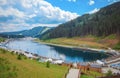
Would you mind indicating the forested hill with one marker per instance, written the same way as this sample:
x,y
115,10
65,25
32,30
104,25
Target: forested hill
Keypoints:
x,y
34,32
103,23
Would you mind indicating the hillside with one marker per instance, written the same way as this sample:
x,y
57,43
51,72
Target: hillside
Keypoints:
x,y
87,41
103,23
26,68
2,39
34,32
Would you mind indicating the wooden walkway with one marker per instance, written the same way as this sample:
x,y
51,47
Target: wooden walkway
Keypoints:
x,y
73,73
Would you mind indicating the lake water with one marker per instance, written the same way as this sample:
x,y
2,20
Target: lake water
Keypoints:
x,y
66,54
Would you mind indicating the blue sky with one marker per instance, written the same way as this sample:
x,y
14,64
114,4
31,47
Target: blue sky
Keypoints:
x,y
16,15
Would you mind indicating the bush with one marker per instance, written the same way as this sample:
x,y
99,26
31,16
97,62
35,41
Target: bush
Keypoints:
x,y
19,57
3,50
12,52
24,57
48,64
38,59
112,36
109,73
117,46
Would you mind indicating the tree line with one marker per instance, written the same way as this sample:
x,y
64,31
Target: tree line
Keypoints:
x,y
103,23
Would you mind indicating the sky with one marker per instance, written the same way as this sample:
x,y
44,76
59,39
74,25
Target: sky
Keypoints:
x,y
17,15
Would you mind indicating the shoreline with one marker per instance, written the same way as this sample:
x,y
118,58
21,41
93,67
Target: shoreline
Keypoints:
x,y
110,53
114,55
61,62
106,62
92,50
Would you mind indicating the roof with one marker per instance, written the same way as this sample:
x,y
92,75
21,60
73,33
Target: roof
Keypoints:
x,y
95,65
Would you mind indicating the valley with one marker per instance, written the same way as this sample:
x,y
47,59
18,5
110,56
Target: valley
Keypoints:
x,y
56,39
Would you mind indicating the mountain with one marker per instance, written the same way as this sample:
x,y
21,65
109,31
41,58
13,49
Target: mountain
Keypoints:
x,y
34,32
102,23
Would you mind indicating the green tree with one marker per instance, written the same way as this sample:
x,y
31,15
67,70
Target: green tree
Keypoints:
x,y
48,64
19,57
109,73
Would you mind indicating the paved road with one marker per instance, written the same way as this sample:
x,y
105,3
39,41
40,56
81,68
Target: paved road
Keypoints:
x,y
73,73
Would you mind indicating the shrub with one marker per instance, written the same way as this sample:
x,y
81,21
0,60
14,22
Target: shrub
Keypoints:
x,y
3,50
25,57
12,52
19,57
112,36
117,46
48,64
109,73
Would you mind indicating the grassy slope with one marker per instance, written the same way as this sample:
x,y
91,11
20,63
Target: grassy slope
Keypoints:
x,y
91,74
33,69
74,42
86,76
2,39
88,41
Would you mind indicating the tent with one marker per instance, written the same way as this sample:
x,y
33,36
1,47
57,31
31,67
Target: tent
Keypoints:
x,y
100,62
58,62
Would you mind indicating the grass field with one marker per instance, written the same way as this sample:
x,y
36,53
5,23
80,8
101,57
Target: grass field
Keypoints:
x,y
27,68
77,42
74,42
88,41
91,74
86,76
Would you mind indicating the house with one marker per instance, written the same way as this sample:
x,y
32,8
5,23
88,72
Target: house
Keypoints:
x,y
89,67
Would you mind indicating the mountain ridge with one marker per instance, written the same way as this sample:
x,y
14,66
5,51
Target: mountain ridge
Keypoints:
x,y
102,23
34,32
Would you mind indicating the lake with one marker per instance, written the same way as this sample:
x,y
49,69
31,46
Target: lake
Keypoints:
x,y
66,54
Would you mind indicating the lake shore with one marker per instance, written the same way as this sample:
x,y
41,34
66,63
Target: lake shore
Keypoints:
x,y
110,52
84,49
76,47
28,54
114,56
88,49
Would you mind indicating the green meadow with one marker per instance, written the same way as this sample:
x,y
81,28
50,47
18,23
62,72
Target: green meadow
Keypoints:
x,y
26,68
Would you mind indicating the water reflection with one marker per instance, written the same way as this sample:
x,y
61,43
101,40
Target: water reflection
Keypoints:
x,y
67,54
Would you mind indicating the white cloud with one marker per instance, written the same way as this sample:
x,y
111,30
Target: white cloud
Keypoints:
x,y
31,16
94,11
11,11
56,13
13,27
46,10
91,2
7,2
3,2
31,13
72,0
21,26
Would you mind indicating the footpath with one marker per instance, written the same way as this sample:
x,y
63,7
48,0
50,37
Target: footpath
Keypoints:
x,y
73,73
